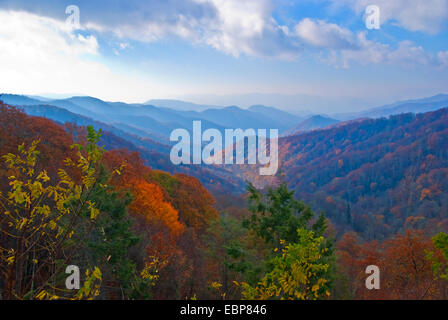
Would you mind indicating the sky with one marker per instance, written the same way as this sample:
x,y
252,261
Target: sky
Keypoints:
x,y
313,55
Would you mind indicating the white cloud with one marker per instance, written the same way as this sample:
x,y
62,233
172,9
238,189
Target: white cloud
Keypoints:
x,y
341,47
321,34
51,55
407,54
442,57
248,27
231,26
39,54
428,16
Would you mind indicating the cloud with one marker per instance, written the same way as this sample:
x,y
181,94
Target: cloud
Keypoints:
x,y
248,27
321,34
442,57
406,54
237,27
231,26
429,16
148,21
341,47
40,54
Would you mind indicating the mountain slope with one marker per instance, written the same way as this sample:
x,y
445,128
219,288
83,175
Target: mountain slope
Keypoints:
x,y
415,106
235,117
159,122
312,123
63,116
18,100
288,119
178,105
374,176
155,154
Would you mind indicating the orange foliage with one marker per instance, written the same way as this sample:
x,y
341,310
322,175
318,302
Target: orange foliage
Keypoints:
x,y
149,202
405,271
194,202
149,199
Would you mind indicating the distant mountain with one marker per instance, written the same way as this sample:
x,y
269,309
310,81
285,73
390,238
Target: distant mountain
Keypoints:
x,y
157,122
235,117
92,104
288,119
40,98
255,117
63,116
312,123
18,100
33,126
74,108
179,105
415,106
135,119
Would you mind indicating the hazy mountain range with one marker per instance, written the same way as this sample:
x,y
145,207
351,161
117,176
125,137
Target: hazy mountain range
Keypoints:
x,y
151,124
415,106
146,128
156,119
145,120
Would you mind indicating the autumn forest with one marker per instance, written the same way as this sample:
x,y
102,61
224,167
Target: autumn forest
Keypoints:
x,y
367,192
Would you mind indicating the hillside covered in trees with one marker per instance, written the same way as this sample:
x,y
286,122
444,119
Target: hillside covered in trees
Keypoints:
x,y
67,201
373,176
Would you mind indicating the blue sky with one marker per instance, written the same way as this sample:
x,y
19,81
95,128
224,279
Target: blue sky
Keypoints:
x,y
314,55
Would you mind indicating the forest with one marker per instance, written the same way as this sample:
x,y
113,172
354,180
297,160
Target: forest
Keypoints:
x,y
376,177
140,233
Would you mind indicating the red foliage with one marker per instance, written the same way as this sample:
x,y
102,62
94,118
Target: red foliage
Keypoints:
x,y
405,271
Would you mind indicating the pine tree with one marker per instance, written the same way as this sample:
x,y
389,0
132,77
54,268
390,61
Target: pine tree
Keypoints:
x,y
279,219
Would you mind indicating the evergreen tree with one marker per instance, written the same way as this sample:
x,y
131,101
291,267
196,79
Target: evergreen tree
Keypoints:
x,y
277,217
